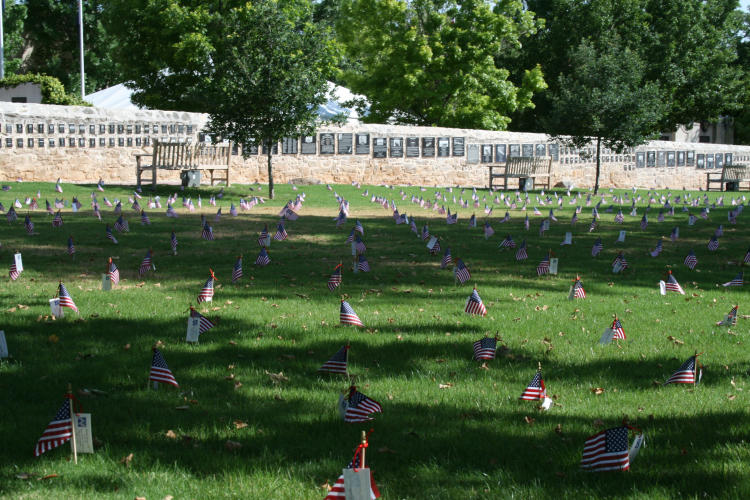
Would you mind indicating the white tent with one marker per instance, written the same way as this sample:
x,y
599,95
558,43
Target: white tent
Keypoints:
x,y
118,97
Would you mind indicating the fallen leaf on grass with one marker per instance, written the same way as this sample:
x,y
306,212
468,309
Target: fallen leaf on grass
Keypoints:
x,y
445,386
232,445
53,338
597,390
24,475
126,347
484,366
237,385
529,420
558,429
731,397
277,377
326,487
675,340
385,449
239,424
168,497
170,434
184,407
126,460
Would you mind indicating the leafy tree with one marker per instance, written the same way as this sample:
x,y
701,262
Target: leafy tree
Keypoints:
x,y
269,76
14,16
687,48
51,28
433,62
607,98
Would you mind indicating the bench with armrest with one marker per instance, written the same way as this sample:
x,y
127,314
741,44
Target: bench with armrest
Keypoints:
x,y
182,156
730,178
522,168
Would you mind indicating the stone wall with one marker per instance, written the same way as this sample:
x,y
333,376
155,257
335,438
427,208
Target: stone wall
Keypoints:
x,y
80,144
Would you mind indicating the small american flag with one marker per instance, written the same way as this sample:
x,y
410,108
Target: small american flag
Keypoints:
x,y
526,223
348,316
65,299
746,259
687,373
146,264
644,222
207,233
620,263
607,450
160,371
281,234
617,328
672,284
337,362
447,259
451,219
335,279
111,236
263,236
691,260
598,246
425,233
488,231
521,253
207,292
619,218
358,227
237,271
485,348
28,225
359,245
657,250
578,291
536,389
713,244
362,264
660,217
121,225
474,304
338,490
350,238
171,211
737,280
543,267
360,407
731,319
71,246
473,221
113,274
508,242
14,273
691,220
56,222
461,272
263,258
144,218
552,215
233,210
204,324
58,431
217,217
173,242
574,219
592,226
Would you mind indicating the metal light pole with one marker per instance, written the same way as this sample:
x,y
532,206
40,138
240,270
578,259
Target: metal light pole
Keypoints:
x,y
80,39
2,42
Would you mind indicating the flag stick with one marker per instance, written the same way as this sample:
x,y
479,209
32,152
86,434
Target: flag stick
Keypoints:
x,y
364,447
72,424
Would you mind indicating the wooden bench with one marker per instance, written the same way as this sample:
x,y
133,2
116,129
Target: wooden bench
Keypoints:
x,y
729,174
182,156
519,168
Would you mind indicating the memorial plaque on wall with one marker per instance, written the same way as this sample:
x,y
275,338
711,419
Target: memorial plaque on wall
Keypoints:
x,y
728,159
412,147
363,144
444,147
719,162
554,152
640,159
661,159
651,159
486,153
472,153
501,152
690,158
428,146
709,161
274,150
514,151
527,150
327,144
379,147
680,158
346,144
541,150
700,161
308,145
671,159
459,144
289,146
397,147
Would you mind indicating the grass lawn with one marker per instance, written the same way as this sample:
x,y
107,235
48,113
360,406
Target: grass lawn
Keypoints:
x,y
451,427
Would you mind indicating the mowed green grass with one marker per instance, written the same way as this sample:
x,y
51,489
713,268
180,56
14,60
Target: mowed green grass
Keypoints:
x,y
473,439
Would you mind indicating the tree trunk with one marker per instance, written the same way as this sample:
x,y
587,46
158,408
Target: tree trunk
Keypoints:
x,y
270,174
598,163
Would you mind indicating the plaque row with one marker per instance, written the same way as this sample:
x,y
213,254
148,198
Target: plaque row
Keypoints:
x,y
100,129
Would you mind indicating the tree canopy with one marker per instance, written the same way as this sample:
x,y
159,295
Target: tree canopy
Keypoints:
x,y
432,62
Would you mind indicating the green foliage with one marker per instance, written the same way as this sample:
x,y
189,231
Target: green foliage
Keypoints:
x,y
53,91
472,440
687,48
51,28
430,62
14,16
270,75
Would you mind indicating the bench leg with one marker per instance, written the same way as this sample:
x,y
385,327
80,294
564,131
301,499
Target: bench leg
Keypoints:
x,y
153,177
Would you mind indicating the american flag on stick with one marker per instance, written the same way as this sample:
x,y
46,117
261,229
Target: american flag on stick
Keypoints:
x,y
207,292
173,242
58,431
731,318
691,260
447,259
337,362
71,246
263,236
204,324
598,246
737,280
14,273
578,291
543,267
461,272
146,263
144,218
335,279
672,285
689,373
111,236
607,450
113,274
281,234
359,407
237,270
521,254
474,304
362,264
65,299
121,225
485,348
263,258
28,225
160,371
536,389
207,233
508,242
338,490
713,244
348,316
56,222
619,332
